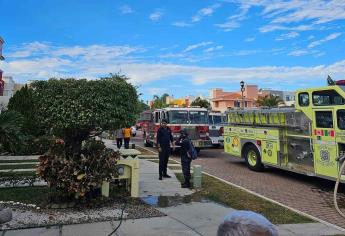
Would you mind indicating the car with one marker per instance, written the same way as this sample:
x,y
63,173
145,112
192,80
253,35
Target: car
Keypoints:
x,y
134,131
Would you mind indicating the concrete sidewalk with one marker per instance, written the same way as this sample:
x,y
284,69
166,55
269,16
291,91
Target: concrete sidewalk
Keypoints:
x,y
182,218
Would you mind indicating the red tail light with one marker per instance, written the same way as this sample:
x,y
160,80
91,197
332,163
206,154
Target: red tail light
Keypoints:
x,y
203,129
258,142
221,130
175,129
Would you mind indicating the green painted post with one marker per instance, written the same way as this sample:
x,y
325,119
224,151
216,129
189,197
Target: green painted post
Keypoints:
x,y
197,176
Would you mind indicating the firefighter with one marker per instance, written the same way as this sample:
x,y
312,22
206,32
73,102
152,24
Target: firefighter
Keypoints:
x,y
184,142
164,142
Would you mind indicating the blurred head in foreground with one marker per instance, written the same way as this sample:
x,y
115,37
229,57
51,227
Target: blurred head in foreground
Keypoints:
x,y
246,223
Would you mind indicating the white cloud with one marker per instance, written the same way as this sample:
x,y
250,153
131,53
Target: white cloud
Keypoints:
x,y
286,36
28,49
297,15
212,49
233,21
76,63
269,28
156,91
156,15
125,9
207,11
321,41
195,46
181,24
298,53
250,39
246,52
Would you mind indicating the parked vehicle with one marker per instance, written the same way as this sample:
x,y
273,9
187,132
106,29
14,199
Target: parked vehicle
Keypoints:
x,y
144,121
216,127
308,139
194,120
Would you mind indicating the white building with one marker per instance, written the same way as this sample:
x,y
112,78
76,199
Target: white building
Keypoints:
x,y
9,86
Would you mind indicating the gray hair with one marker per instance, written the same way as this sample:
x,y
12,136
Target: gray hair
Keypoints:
x,y
244,223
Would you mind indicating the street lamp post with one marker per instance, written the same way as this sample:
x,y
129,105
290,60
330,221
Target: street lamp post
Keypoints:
x,y
242,90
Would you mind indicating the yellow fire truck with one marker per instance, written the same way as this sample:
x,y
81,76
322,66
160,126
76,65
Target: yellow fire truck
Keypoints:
x,y
307,139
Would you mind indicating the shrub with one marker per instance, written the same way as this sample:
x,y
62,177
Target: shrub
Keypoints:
x,y
24,102
72,109
75,176
12,139
38,145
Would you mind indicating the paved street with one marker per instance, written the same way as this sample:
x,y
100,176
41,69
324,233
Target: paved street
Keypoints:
x,y
308,194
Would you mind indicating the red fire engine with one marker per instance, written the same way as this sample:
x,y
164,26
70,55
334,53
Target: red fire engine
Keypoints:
x,y
144,121
194,120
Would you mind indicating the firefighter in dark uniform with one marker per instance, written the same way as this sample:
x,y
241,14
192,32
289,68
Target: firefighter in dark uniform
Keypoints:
x,y
164,142
186,160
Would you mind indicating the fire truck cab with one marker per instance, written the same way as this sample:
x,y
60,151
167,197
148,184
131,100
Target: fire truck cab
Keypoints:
x,y
307,139
216,127
194,120
144,121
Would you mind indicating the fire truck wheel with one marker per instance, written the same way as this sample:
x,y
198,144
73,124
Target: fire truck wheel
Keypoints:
x,y
253,158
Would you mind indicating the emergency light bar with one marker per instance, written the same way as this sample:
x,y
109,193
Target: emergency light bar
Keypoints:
x,y
340,82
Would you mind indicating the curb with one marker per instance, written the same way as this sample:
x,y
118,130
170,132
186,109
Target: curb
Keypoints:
x,y
268,199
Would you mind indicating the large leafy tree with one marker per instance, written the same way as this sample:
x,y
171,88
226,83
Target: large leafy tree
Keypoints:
x,y
268,101
142,106
72,109
201,103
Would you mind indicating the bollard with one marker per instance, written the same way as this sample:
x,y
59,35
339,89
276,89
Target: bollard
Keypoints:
x,y
105,188
133,145
197,175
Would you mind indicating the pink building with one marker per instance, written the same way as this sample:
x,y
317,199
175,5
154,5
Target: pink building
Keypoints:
x,y
221,100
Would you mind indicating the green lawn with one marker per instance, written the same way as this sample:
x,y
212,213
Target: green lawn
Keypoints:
x,y
16,161
18,174
32,195
28,166
230,196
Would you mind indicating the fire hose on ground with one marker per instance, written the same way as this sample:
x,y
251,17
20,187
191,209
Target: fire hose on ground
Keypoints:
x,y
340,160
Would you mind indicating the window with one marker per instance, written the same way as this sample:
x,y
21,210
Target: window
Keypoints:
x,y
341,119
198,117
216,104
303,99
156,117
327,97
246,104
237,104
324,119
178,117
287,98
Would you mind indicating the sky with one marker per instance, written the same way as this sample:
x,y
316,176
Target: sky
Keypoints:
x,y
176,47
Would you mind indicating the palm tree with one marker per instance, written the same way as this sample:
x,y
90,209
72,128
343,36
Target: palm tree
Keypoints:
x,y
268,101
11,136
160,102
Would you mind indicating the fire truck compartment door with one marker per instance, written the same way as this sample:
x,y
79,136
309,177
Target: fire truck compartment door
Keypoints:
x,y
325,146
232,142
269,152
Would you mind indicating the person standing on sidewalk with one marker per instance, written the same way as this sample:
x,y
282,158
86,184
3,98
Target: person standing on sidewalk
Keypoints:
x,y
127,136
186,160
164,142
119,138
